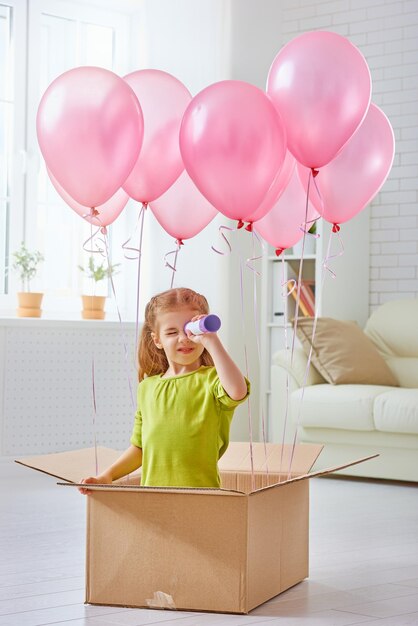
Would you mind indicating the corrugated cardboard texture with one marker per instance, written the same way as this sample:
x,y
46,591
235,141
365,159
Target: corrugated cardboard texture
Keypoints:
x,y
294,557
191,548
278,523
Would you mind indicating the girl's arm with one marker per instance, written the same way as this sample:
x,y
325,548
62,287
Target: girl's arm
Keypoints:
x,y
229,373
127,463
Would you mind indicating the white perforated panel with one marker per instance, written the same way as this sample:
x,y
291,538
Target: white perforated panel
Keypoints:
x,y
48,388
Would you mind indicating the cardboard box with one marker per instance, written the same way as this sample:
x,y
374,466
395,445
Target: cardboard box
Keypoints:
x,y
225,550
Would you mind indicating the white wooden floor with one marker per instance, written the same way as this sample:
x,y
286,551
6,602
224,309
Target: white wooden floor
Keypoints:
x,y
364,560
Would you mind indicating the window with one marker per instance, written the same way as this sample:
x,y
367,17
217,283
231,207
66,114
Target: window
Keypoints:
x,y
60,35
12,109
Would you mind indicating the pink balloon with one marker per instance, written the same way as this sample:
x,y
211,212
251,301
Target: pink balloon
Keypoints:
x,y
182,210
233,144
106,213
277,187
90,130
282,226
357,173
321,85
164,100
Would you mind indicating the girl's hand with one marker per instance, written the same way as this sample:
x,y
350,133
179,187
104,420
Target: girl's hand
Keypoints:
x,y
103,479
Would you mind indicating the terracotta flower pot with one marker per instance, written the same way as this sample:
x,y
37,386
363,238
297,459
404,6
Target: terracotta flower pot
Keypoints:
x,y
93,307
29,304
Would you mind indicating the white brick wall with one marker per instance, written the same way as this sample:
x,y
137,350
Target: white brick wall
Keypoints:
x,y
387,35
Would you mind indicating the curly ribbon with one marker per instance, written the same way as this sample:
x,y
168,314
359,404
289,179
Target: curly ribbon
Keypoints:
x,y
250,420
125,245
330,256
94,214
173,267
222,234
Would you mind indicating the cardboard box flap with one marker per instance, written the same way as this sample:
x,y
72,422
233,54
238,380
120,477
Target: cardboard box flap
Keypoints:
x,y
74,465
322,472
195,490
270,457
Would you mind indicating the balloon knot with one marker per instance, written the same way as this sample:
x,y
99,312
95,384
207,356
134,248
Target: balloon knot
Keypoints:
x,y
179,242
335,228
279,251
240,224
314,172
103,230
249,227
145,205
93,212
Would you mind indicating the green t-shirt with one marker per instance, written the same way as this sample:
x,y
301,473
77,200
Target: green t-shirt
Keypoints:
x,y
182,425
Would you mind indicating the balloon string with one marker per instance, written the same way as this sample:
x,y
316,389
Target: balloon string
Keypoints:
x,y
295,324
138,278
257,336
249,262
125,345
324,271
308,364
319,194
96,461
173,267
93,384
250,421
287,287
312,174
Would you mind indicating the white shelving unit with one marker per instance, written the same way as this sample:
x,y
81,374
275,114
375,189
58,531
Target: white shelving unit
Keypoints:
x,y
345,296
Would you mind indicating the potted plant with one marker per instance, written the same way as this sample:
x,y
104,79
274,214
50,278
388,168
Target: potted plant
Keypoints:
x,y
93,306
25,263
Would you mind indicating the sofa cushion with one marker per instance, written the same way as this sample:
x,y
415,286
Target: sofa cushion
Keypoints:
x,y
348,407
396,411
343,354
393,330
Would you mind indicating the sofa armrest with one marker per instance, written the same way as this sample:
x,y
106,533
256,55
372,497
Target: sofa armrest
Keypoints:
x,y
298,368
282,374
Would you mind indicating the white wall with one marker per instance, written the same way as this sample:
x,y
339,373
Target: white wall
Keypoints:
x,y
387,35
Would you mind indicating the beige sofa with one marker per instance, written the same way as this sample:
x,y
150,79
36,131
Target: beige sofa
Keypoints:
x,y
355,420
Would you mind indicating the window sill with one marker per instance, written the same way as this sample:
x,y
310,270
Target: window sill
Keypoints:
x,y
65,320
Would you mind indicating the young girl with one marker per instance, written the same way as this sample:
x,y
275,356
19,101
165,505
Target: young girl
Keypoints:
x,y
188,390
